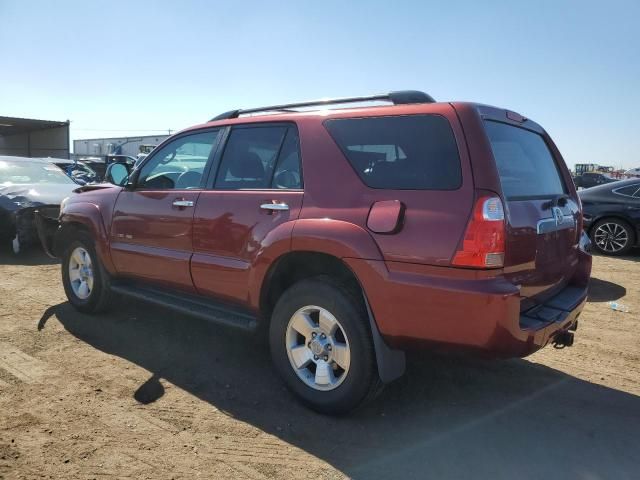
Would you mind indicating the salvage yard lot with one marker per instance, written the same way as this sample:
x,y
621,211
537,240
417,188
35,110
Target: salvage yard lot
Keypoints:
x,y
142,393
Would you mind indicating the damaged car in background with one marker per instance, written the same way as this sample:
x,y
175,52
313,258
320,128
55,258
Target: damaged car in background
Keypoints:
x,y
27,185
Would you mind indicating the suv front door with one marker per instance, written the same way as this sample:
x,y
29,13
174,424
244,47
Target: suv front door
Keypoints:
x,y
257,189
151,232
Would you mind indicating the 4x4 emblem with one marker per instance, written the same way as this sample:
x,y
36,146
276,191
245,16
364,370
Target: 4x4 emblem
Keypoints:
x,y
558,216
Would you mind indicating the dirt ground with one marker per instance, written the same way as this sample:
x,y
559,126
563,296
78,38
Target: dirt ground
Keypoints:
x,y
141,393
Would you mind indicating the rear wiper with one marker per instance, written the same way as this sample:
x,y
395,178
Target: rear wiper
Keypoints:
x,y
557,201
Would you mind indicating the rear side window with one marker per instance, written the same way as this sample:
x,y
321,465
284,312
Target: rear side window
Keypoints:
x,y
630,191
525,164
413,152
250,157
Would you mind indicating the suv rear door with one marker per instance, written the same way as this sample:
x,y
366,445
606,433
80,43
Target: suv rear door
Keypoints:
x,y
257,188
541,209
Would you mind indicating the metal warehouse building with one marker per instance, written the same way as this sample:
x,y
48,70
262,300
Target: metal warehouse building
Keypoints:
x,y
116,146
24,137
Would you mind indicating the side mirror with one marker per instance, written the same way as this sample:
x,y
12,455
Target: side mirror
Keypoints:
x,y
117,173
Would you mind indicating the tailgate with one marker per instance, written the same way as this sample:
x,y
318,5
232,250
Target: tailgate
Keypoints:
x,y
541,251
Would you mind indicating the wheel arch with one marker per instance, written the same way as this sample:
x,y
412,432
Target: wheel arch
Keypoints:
x,y
616,216
298,265
84,217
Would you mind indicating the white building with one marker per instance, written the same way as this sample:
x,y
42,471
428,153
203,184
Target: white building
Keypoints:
x,y
116,146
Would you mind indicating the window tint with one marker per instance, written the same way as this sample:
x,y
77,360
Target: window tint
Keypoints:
x,y
179,164
629,191
416,152
525,164
249,157
288,174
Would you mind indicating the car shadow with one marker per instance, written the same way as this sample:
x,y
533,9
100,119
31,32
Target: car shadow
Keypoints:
x,y
33,256
605,291
446,418
632,256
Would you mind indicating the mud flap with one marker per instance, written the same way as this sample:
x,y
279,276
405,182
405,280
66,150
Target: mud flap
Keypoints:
x,y
391,363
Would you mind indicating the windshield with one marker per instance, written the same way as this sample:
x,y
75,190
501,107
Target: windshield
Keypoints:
x,y
15,173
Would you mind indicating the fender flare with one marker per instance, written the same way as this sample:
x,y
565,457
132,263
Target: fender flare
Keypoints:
x,y
89,216
341,240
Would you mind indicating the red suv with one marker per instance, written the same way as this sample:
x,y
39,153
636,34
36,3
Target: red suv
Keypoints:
x,y
350,234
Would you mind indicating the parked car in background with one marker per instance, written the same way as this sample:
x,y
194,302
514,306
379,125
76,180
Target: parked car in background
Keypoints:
x,y
350,235
78,171
612,216
96,164
591,179
633,172
126,159
27,184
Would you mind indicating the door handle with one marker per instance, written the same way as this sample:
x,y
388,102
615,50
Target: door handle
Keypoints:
x,y
182,203
274,207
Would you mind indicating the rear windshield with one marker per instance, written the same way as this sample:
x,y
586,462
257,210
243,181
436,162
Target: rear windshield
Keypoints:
x,y
414,152
525,164
25,172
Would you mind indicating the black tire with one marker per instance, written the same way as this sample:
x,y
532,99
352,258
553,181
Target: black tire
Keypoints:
x,y
631,237
362,381
98,299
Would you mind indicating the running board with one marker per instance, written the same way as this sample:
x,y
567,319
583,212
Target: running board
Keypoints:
x,y
191,305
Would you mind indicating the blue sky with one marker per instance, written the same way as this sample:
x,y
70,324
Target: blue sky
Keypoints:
x,y
126,68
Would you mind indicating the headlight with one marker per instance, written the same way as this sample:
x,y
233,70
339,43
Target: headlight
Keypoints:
x,y
63,203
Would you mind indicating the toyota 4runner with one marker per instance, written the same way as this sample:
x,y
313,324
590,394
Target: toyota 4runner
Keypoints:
x,y
350,235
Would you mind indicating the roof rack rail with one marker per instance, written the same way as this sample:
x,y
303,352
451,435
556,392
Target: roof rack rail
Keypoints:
x,y
397,98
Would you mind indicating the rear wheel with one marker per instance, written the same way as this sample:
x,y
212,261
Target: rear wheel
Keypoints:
x,y
84,279
321,346
612,236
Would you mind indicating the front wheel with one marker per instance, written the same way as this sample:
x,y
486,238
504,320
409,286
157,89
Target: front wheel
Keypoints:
x,y
83,277
322,347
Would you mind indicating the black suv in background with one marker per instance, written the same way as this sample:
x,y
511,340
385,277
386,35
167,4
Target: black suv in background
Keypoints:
x,y
591,179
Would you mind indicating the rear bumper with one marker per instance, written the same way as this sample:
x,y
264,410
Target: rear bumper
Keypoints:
x,y
417,306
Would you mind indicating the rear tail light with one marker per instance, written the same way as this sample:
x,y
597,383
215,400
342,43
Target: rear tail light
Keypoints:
x,y
483,243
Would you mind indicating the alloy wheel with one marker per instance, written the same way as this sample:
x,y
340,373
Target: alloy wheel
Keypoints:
x,y
318,348
611,237
81,273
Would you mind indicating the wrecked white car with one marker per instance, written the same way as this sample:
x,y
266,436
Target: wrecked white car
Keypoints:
x,y
27,185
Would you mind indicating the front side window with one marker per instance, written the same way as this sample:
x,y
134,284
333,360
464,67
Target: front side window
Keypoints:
x,y
179,164
412,152
259,158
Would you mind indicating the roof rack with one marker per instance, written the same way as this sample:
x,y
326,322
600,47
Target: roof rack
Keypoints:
x,y
397,98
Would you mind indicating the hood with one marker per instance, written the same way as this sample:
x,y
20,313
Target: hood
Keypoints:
x,y
16,197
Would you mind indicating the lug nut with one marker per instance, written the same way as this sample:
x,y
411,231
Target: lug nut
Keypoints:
x,y
313,334
329,347
326,357
315,357
323,336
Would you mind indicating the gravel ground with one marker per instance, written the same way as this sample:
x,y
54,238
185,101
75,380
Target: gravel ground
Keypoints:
x,y
142,393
